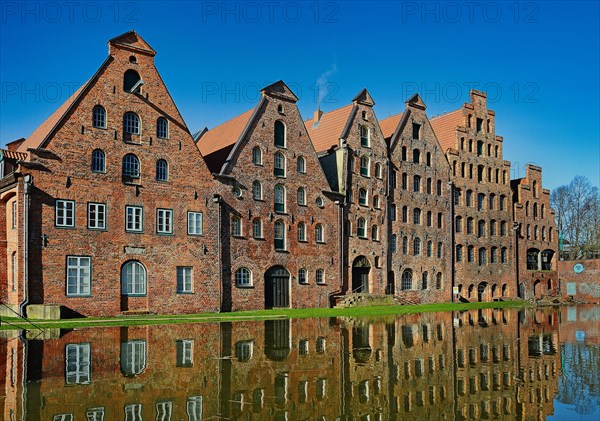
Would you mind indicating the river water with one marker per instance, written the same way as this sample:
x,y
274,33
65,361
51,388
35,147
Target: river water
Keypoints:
x,y
529,364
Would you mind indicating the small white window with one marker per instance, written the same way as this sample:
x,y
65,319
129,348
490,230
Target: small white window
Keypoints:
x,y
301,232
184,280
185,353
164,411
78,363
302,196
195,223
164,221
279,165
320,276
134,218
257,231
133,358
65,213
243,277
321,344
237,192
236,226
194,408
95,414
257,190
319,233
63,417
301,165
79,276
257,156
96,215
133,412
320,202
14,215
302,276
244,350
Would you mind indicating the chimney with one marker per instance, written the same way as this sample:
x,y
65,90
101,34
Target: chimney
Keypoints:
x,y
318,115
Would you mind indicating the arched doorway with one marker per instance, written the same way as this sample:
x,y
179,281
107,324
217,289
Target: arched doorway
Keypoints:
x,y
537,289
482,292
360,274
277,287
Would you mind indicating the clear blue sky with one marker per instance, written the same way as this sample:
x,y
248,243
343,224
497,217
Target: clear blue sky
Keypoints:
x,y
539,62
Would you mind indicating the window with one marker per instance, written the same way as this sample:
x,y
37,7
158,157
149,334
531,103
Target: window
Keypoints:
x,y
392,209
415,130
481,228
482,254
469,198
301,165
440,220
99,117
279,235
130,78
502,202
133,412
417,183
377,205
257,190
302,276
243,277
458,224
78,368
429,249
405,214
459,251
131,166
319,202
236,226
194,408
429,186
429,223
480,201
503,228
301,231
491,201
480,169
280,134
237,191
184,279
417,247
362,197
321,388
492,227
470,256
416,156
279,199
184,354
503,256
479,147
428,159
257,228
162,171
404,158
439,187
375,233
133,278
494,255
393,242
404,181
244,350
320,276
319,233
417,216
95,414
96,216
134,218
407,281
361,229
79,275
365,137
469,225
14,214
133,357
457,197
256,156
405,245
162,128
438,285
365,164
279,166
195,224
425,280
131,123
98,161
378,170
64,213
164,221
302,196
15,270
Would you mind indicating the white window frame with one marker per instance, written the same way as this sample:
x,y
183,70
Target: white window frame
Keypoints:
x,y
241,280
236,226
96,216
64,213
195,223
194,408
301,165
320,276
164,221
95,414
79,276
187,352
133,412
257,228
14,214
164,411
185,280
257,156
139,279
301,232
134,218
136,356
302,276
78,363
319,233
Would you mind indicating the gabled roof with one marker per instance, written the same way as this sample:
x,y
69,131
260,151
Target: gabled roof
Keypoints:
x,y
364,97
131,40
216,143
445,126
281,90
389,125
327,132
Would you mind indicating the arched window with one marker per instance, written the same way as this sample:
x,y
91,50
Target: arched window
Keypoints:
x,y
257,190
404,181
503,228
374,233
543,210
550,234
405,214
319,233
130,79
502,202
131,166
98,161
279,235
429,222
417,247
458,224
407,280
492,201
362,197
301,231
236,226
320,276
492,227
481,256
459,251
243,277
494,255
376,203
481,228
417,216
131,123
470,252
428,159
361,229
479,148
301,165
417,183
256,156
99,117
416,156
302,276
425,279
429,186
439,187
162,170
480,201
133,357
405,245
378,170
503,255
365,166
257,231
393,241
133,278
279,199
280,140
429,248
440,220
438,280
404,153
162,128
535,195
535,211
279,165
365,137
302,196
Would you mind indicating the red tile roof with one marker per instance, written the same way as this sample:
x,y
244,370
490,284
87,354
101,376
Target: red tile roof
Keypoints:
x,y
330,127
389,125
445,126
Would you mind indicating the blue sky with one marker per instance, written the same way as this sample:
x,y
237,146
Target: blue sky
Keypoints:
x,y
538,61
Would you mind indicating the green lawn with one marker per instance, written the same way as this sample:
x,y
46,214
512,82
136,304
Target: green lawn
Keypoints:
x,y
295,313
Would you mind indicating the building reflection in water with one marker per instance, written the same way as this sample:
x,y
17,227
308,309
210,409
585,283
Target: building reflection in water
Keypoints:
x,y
496,364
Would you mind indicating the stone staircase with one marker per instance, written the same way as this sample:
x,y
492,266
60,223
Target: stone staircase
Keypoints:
x,y
363,300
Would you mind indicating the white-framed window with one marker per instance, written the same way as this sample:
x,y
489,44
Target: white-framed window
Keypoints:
x,y
98,161
62,417
162,128
133,278
164,221
185,353
195,223
99,117
131,123
244,350
303,346
236,226
321,388
301,165
257,156
164,411
133,412
257,190
302,276
131,166
319,233
321,345
279,165
363,198
95,414
79,276
378,170
320,276
302,196
133,357
243,277
301,231
194,408
365,166
78,363
96,215
184,279
14,214
279,199
279,235
134,218
65,213
365,137
361,228
257,231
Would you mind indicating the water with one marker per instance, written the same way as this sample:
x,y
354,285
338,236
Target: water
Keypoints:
x,y
482,364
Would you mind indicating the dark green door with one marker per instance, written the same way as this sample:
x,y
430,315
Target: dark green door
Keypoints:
x,y
277,287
